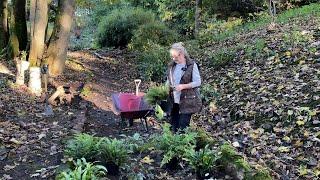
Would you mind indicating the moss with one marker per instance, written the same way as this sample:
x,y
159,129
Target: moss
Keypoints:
x,y
13,48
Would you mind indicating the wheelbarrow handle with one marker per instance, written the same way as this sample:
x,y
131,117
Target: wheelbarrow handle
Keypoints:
x,y
137,82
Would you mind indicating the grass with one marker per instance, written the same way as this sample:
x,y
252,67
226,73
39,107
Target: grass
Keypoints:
x,y
303,13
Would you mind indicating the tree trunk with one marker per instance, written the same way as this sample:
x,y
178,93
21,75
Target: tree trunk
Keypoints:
x,y
57,51
13,46
32,15
4,35
37,43
197,17
19,12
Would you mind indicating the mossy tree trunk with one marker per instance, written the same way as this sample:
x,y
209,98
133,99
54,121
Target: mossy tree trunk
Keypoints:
x,y
4,34
13,46
58,45
19,12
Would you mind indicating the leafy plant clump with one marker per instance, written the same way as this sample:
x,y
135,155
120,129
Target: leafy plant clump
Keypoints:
x,y
203,139
230,155
82,146
174,146
112,153
202,161
222,57
157,94
208,93
83,171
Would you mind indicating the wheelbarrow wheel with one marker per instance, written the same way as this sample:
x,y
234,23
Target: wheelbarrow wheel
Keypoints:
x,y
130,122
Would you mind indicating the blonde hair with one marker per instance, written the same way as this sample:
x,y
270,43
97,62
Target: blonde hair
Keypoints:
x,y
180,47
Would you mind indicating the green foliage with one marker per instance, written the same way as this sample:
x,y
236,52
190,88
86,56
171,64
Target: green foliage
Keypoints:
x,y
179,14
208,93
152,63
260,174
117,28
155,32
296,38
262,20
112,150
157,94
232,7
136,144
202,161
82,146
83,171
105,7
222,57
260,44
174,145
203,139
86,91
194,48
230,155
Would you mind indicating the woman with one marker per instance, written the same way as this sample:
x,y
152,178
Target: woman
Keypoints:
x,y
184,80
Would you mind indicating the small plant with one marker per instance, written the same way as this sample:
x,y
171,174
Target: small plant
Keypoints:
x,y
230,156
174,146
296,38
203,161
260,44
208,93
86,91
222,57
83,171
157,94
82,146
203,139
112,153
136,143
260,174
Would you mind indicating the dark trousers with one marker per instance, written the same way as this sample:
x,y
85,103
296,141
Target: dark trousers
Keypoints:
x,y
179,121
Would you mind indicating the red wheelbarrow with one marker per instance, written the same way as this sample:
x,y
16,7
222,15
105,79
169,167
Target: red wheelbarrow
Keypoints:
x,y
130,106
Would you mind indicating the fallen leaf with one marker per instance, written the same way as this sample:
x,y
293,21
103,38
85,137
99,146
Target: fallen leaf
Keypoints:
x,y
147,160
283,149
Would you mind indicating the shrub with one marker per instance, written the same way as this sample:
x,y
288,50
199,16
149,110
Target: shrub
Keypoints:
x,y
113,153
174,146
155,32
157,94
203,161
153,63
81,146
116,29
83,171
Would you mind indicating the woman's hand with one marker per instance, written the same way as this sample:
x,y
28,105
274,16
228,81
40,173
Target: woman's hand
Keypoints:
x,y
181,87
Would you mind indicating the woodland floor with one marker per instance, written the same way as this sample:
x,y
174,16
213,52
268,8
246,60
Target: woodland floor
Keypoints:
x,y
255,97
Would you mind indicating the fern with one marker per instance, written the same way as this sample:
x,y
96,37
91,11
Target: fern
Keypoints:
x,y
112,150
157,94
81,146
175,145
83,171
202,161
